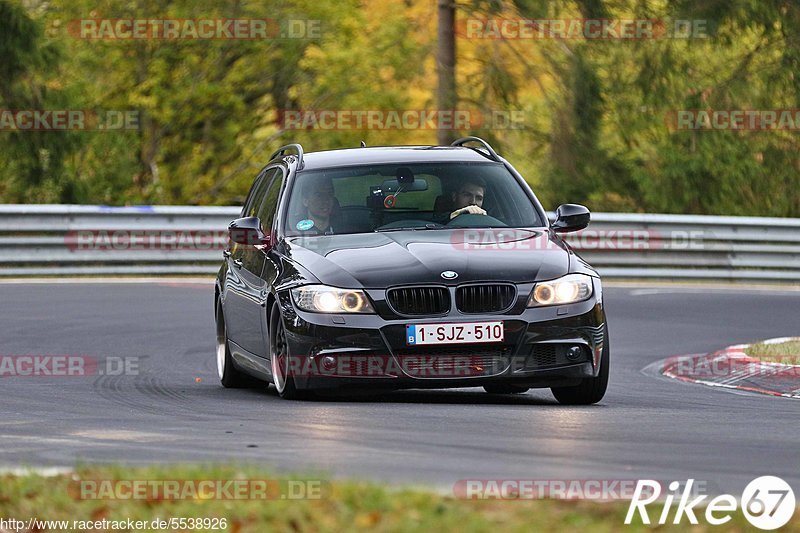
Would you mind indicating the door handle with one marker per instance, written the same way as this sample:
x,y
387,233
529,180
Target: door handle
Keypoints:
x,y
238,263
226,253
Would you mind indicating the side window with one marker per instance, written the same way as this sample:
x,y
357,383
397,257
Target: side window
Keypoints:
x,y
269,202
255,195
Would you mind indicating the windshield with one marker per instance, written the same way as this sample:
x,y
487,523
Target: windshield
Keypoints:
x,y
393,197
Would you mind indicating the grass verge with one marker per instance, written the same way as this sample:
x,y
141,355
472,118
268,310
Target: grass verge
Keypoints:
x,y
343,506
783,352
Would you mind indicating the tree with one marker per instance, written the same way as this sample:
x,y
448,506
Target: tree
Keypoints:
x,y
446,63
33,161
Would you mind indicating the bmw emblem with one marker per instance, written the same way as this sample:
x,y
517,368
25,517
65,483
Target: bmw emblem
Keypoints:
x,y
449,274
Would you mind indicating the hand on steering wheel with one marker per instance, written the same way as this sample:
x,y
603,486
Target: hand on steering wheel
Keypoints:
x,y
469,210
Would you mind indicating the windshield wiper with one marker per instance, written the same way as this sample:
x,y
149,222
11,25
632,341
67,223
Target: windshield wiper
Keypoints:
x,y
432,225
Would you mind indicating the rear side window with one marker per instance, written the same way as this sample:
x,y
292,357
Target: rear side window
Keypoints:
x,y
256,193
269,198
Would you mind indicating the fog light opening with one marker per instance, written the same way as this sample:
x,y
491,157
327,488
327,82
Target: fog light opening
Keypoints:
x,y
574,353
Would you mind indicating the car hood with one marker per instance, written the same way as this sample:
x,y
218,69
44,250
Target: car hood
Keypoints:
x,y
376,260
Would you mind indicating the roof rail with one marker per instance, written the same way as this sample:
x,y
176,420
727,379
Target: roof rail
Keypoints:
x,y
491,153
282,151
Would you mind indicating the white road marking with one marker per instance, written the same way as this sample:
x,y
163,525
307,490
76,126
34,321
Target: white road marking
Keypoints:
x,y
45,471
681,289
126,280
132,436
780,340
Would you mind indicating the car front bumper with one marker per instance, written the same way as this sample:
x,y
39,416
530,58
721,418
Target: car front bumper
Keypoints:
x,y
542,347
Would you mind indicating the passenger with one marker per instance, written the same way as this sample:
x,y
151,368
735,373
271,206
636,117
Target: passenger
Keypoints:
x,y
319,202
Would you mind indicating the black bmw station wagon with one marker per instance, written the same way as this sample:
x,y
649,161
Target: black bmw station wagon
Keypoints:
x,y
407,267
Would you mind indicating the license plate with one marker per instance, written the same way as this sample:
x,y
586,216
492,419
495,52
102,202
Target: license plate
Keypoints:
x,y
460,333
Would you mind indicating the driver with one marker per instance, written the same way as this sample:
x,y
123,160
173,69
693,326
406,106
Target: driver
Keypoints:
x,y
468,198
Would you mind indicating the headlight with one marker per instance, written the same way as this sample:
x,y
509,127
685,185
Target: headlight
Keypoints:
x,y
566,290
323,299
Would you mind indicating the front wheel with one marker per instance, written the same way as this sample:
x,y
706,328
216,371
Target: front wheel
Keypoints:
x,y
590,390
280,359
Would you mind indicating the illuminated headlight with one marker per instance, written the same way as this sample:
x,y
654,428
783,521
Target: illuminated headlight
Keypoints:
x,y
569,289
323,299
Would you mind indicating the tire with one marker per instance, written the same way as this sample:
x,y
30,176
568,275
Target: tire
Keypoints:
x,y
505,389
279,359
590,390
229,376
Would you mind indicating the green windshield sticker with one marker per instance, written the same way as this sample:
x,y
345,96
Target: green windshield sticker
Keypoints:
x,y
305,225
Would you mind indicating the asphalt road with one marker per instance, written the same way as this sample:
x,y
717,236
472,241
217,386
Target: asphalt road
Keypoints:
x,y
646,427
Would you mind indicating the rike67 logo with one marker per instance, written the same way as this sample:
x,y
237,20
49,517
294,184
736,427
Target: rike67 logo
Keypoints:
x,y
767,502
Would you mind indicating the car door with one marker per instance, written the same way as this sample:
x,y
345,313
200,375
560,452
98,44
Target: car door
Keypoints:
x,y
245,296
269,261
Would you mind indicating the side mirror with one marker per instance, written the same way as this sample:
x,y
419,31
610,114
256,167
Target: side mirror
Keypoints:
x,y
571,217
248,231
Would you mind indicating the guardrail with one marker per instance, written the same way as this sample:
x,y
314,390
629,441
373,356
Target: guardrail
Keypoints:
x,y
66,240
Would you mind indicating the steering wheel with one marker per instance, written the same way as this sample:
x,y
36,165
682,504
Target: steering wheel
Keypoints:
x,y
468,220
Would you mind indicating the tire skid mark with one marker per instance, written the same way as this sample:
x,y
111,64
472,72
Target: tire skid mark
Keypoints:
x,y
152,394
